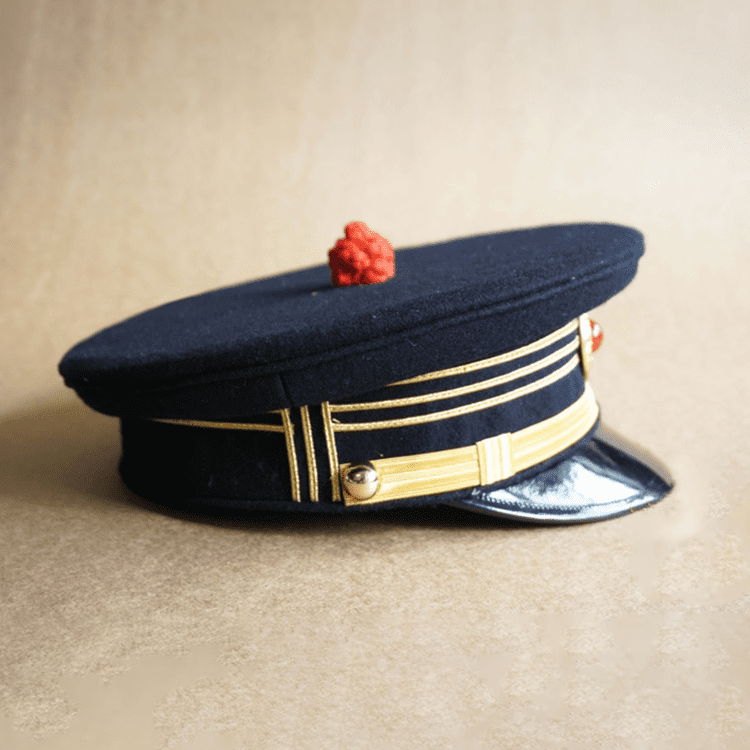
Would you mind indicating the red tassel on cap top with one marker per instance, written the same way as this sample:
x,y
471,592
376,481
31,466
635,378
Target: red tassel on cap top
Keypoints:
x,y
364,257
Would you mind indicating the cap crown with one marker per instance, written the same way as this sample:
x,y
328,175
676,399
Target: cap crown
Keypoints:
x,y
294,339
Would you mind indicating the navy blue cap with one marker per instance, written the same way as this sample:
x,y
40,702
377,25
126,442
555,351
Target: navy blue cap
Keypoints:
x,y
461,376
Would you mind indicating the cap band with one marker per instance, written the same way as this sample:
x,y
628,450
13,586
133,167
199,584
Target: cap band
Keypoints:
x,y
542,364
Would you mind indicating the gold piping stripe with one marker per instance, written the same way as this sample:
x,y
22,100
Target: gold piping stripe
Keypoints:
x,y
333,459
291,453
484,463
223,425
535,346
463,390
585,337
312,469
459,411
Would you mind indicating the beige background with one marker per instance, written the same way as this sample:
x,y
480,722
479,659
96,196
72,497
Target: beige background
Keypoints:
x,y
150,150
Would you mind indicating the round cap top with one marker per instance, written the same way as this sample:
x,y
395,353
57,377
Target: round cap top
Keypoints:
x,y
294,339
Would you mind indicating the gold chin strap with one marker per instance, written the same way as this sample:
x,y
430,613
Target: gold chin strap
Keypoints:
x,y
486,462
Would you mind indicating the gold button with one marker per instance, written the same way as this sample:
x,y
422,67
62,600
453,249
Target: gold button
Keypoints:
x,y
361,481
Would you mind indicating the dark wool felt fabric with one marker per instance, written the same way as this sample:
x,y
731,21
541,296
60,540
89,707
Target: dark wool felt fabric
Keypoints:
x,y
209,469
293,340
149,481
237,466
158,475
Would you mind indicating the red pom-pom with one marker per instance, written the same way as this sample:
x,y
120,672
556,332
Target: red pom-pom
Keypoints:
x,y
364,257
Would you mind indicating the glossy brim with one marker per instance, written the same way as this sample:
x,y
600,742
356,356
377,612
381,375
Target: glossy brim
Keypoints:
x,y
607,477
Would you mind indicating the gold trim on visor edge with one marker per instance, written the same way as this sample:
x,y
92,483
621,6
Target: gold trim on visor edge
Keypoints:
x,y
486,462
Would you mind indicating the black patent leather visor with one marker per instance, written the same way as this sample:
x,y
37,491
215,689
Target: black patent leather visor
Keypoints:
x,y
606,478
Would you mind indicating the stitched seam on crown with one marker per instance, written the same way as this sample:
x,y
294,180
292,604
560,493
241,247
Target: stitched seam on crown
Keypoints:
x,y
282,383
